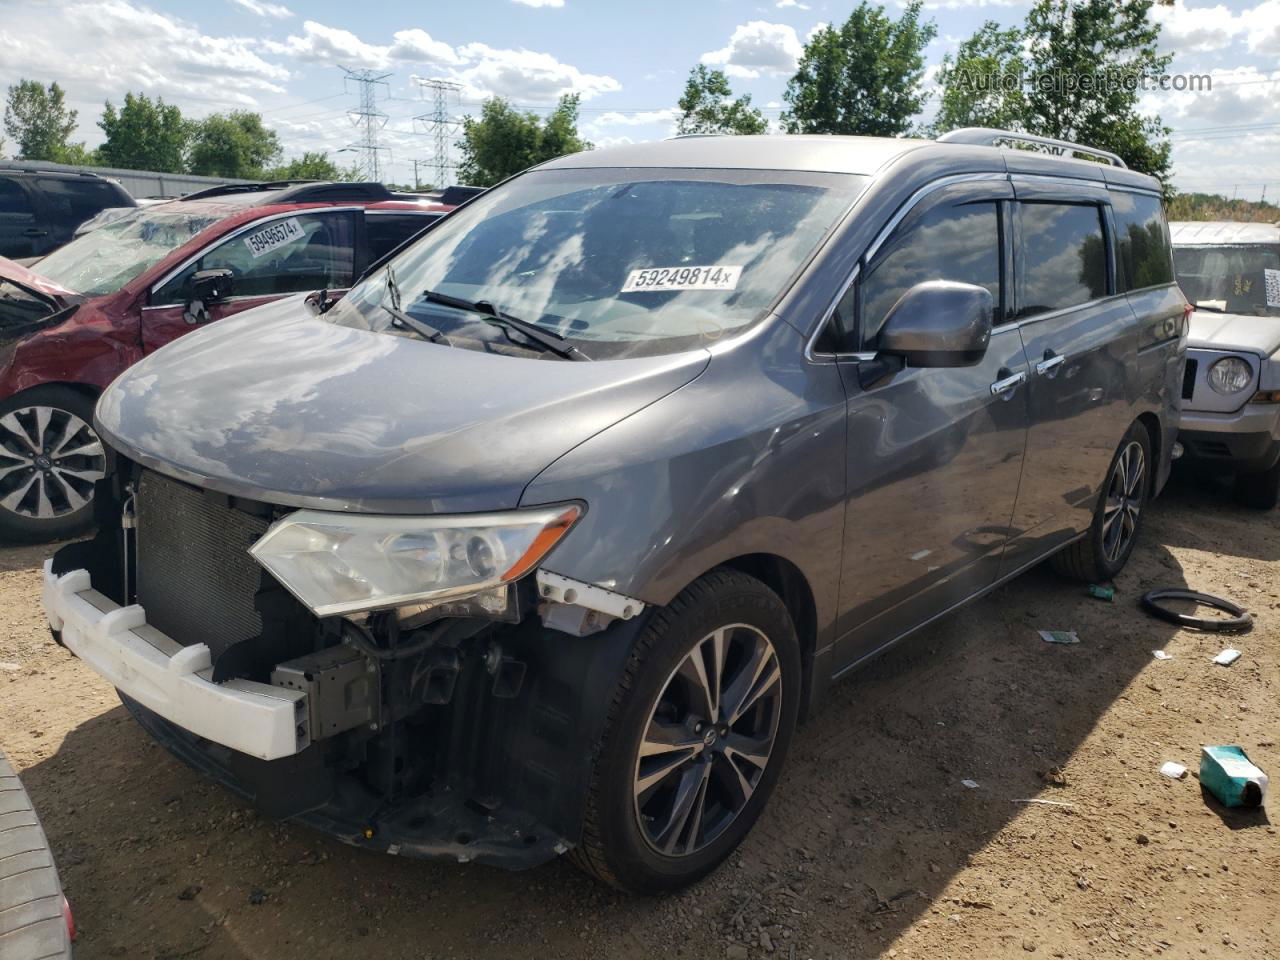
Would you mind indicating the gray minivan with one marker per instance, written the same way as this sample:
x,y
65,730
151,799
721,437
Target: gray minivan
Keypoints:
x,y
544,537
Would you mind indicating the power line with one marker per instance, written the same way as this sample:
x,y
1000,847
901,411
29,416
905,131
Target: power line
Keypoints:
x,y
368,119
439,124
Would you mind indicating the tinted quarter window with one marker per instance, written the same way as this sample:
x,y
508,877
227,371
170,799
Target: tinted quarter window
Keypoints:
x,y
960,243
72,202
13,200
387,231
1143,251
1063,257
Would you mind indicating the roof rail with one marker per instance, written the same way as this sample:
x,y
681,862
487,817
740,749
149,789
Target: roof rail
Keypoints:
x,y
14,168
301,191
990,137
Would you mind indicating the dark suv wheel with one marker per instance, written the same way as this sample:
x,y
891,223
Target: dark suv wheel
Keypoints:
x,y
50,458
1104,551
697,733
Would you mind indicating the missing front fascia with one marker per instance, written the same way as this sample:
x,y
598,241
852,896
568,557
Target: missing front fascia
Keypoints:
x,y
580,608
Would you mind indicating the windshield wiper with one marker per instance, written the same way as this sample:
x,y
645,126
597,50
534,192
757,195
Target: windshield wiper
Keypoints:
x,y
401,319
548,339
1205,306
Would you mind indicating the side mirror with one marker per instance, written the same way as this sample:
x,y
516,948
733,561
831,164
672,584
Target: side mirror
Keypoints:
x,y
939,323
212,286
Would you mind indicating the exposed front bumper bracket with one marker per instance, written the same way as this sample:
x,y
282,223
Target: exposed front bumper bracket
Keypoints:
x,y
170,679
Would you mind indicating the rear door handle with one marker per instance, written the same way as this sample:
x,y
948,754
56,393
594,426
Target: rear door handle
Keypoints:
x,y
1048,367
35,232
1005,386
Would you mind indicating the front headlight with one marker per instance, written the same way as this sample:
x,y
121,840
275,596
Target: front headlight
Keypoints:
x,y
1230,375
339,563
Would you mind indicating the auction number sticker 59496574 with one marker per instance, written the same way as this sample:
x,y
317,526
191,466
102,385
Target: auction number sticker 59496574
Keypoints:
x,y
274,235
682,278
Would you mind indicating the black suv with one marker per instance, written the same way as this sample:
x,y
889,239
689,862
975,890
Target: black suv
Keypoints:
x,y
40,209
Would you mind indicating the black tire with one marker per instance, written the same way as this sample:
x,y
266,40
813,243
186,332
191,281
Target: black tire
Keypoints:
x,y
61,488
1092,558
1259,490
617,844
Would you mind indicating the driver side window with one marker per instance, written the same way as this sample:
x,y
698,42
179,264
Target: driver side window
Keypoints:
x,y
309,251
959,243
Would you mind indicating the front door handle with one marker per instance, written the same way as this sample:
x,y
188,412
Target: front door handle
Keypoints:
x,y
1048,367
1005,386
35,232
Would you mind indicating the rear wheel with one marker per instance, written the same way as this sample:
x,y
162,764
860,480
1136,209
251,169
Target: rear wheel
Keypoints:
x,y
1259,490
50,459
697,733
1105,549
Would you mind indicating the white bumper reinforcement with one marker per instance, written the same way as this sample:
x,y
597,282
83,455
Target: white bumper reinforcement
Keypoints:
x,y
174,681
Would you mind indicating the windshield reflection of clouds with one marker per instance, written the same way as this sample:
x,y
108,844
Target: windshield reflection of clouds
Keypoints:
x,y
1232,279
556,248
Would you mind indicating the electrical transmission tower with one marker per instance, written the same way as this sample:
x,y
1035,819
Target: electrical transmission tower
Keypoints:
x,y
440,125
368,119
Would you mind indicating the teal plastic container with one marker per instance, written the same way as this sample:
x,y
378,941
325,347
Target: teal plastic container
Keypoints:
x,y
1229,774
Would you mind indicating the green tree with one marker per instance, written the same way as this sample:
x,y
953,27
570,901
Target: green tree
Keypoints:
x,y
234,144
982,84
503,141
38,120
144,134
706,106
863,77
1087,60
312,165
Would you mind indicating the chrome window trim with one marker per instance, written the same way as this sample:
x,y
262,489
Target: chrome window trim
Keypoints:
x,y
231,235
403,213
907,206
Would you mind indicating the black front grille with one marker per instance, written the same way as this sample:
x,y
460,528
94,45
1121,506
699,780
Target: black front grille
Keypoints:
x,y
1189,379
195,577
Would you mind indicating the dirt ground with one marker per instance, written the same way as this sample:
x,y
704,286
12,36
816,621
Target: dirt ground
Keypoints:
x,y
870,847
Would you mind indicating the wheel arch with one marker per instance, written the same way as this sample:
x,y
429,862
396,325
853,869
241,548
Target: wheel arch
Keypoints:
x,y
1151,423
86,390
787,580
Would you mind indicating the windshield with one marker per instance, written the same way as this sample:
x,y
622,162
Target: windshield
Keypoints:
x,y
1231,279
105,259
616,261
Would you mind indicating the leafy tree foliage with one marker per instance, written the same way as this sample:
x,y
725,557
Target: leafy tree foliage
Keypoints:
x,y
707,106
982,83
234,144
503,141
38,120
863,77
312,165
145,134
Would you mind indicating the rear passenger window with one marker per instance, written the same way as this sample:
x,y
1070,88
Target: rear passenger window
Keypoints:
x,y
960,243
1064,256
13,199
75,201
386,231
1143,254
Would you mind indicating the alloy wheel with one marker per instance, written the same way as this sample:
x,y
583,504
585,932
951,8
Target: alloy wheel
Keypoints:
x,y
1125,493
49,461
708,740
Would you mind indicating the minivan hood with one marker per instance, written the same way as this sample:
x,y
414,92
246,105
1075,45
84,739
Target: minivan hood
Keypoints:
x,y
279,405
1231,331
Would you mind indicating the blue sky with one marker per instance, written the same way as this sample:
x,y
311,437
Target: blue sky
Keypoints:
x,y
627,60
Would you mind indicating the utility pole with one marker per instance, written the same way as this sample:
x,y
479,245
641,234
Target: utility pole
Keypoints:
x,y
368,119
439,124
417,181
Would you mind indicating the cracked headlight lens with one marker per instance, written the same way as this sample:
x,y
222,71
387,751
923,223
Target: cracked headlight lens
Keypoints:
x,y
1230,375
346,563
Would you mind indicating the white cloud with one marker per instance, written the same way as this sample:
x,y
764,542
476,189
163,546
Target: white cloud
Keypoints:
x,y
816,29
963,4
541,3
1196,29
784,4
323,44
615,119
417,46
274,11
525,75
758,48
1262,27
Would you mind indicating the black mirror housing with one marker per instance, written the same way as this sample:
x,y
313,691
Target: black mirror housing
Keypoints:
x,y
939,323
212,286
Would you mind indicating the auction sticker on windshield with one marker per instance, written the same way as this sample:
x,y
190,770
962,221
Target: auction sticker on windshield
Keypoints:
x,y
682,278
274,235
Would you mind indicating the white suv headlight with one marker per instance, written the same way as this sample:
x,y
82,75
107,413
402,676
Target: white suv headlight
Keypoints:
x,y
1230,375
346,563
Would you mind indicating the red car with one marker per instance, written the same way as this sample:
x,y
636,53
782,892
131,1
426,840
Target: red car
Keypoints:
x,y
77,318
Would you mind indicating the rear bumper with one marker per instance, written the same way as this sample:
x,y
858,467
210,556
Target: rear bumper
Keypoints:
x,y
169,679
1247,441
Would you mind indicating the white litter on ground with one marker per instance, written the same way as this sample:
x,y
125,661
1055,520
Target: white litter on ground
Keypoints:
x,y
971,784
1227,657
1174,771
1161,655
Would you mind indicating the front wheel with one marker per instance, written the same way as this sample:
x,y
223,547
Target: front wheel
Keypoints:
x,y
696,736
50,459
1104,550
